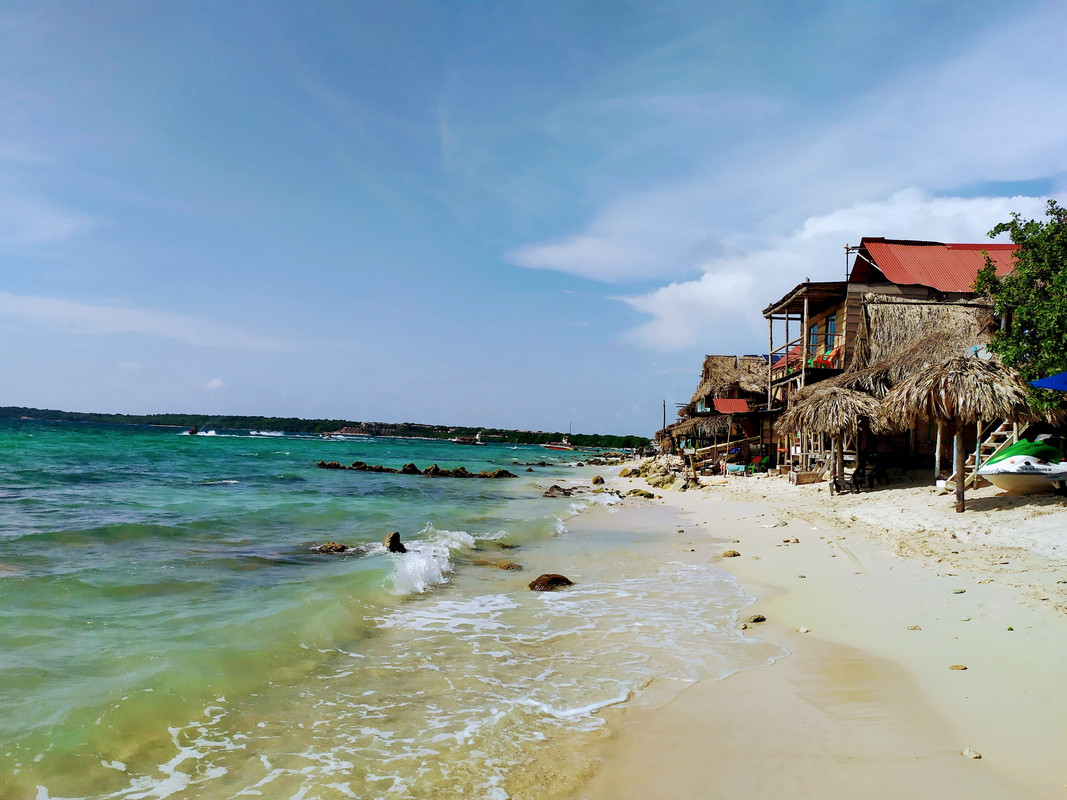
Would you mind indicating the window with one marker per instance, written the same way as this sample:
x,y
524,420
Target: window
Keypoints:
x,y
831,332
813,337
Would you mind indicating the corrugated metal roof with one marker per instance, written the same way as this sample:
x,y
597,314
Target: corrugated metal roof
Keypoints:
x,y
945,267
730,405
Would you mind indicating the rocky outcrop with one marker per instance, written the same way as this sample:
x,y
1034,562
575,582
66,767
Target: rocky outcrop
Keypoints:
x,y
410,469
549,582
558,491
640,493
393,544
331,547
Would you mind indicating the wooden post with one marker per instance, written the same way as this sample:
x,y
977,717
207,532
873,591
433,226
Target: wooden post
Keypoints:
x,y
804,343
770,357
839,458
937,454
961,456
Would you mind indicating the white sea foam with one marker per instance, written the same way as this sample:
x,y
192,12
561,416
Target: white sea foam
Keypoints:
x,y
428,560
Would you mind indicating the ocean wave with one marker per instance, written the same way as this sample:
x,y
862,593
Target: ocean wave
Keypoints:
x,y
428,560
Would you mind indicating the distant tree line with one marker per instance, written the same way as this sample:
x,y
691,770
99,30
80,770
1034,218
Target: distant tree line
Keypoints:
x,y
412,430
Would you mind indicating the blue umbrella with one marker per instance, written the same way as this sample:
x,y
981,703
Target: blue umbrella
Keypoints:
x,y
1056,382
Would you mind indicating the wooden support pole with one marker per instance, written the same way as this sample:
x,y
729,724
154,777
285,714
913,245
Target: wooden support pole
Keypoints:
x,y
804,343
937,454
960,458
770,357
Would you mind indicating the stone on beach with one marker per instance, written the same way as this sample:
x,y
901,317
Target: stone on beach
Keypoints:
x,y
757,618
558,491
393,544
598,481
970,752
731,554
549,582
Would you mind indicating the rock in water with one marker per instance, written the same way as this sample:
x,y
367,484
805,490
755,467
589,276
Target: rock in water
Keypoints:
x,y
393,544
598,481
331,547
558,491
410,469
549,581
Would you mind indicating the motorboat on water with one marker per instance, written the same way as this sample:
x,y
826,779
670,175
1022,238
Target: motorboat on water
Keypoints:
x,y
1027,467
564,445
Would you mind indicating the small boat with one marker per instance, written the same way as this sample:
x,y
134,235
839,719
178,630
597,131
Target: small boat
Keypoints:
x,y
564,445
193,431
467,440
1027,467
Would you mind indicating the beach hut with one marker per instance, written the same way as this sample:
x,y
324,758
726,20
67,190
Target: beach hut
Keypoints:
x,y
831,410
955,393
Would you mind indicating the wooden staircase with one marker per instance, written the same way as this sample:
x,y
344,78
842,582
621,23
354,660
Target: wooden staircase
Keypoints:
x,y
1002,435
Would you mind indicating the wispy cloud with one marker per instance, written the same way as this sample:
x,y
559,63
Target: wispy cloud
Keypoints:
x,y
941,126
112,319
722,306
26,221
213,384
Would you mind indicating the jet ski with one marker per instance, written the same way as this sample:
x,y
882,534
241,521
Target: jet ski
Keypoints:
x,y
1027,467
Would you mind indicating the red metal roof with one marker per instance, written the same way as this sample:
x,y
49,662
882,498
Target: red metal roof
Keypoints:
x,y
730,405
945,267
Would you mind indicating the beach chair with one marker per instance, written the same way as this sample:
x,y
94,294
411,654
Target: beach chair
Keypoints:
x,y
828,360
759,464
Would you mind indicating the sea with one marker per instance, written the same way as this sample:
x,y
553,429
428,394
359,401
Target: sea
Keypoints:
x,y
168,629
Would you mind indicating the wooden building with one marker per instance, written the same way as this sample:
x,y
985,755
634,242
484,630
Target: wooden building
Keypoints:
x,y
905,303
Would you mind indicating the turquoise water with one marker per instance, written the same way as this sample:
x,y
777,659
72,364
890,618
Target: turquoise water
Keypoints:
x,y
167,630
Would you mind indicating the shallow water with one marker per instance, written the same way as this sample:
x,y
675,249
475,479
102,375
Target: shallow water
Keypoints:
x,y
167,631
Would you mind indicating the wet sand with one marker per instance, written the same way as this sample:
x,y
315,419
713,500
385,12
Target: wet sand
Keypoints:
x,y
867,704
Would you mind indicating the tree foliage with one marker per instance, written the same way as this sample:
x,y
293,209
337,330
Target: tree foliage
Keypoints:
x,y
1032,299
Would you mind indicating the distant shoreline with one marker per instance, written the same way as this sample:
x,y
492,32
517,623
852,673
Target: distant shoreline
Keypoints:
x,y
394,430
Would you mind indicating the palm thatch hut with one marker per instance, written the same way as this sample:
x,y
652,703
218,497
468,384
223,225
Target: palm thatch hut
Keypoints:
x,y
958,392
831,410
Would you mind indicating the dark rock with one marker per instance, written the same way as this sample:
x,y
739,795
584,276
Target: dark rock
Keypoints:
x,y
757,618
433,471
558,491
331,547
731,554
549,582
460,472
393,544
640,493
529,469
598,481
410,469
359,465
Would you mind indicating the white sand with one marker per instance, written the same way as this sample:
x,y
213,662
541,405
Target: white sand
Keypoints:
x,y
865,706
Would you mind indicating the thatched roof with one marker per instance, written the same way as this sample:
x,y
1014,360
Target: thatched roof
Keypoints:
x,y
893,326
962,390
701,426
722,372
828,409
900,337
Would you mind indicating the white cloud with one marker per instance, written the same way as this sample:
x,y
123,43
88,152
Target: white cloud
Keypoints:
x,y
107,319
214,383
941,126
722,307
24,221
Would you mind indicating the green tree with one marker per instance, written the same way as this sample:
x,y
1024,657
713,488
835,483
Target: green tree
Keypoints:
x,y
1032,299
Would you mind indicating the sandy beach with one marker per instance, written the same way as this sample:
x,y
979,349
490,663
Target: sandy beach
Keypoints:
x,y
881,599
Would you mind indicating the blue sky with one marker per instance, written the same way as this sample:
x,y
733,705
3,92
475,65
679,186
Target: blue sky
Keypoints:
x,y
525,215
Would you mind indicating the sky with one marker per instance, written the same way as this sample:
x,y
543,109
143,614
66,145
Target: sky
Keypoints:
x,y
535,215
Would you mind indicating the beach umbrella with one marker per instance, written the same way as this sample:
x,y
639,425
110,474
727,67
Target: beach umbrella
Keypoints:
x,y
958,392
1056,382
833,410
